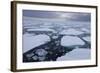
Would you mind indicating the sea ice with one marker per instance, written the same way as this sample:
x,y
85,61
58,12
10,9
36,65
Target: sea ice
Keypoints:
x,y
71,41
88,39
76,54
30,41
71,31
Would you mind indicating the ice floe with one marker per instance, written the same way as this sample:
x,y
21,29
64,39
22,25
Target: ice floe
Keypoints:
x,y
71,41
76,54
71,31
88,39
41,29
30,41
41,52
85,30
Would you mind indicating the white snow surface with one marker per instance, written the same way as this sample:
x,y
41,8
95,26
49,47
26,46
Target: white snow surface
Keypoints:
x,y
41,29
71,41
88,39
30,41
71,31
85,30
76,54
41,52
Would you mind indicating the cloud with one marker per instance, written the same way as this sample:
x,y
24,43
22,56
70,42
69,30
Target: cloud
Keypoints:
x,y
72,16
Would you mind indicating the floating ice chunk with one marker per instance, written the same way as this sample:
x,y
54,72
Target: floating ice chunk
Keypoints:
x,y
41,52
30,41
35,57
71,32
71,41
76,54
46,26
85,30
41,29
41,58
88,39
55,37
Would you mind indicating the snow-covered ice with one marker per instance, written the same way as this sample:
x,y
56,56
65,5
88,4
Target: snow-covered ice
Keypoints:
x,y
46,26
85,30
41,58
71,41
30,41
41,29
76,54
41,52
35,57
88,39
71,31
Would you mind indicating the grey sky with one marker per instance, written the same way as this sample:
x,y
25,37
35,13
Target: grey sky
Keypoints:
x,y
75,16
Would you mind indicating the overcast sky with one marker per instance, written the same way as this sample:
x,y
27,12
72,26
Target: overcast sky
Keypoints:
x,y
74,16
